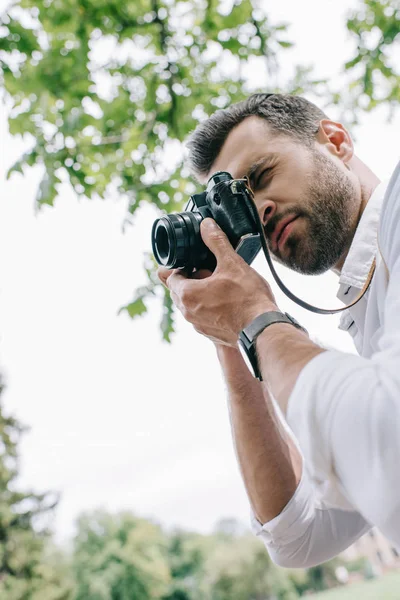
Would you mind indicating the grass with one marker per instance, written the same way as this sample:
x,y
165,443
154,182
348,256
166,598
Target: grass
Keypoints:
x,y
384,588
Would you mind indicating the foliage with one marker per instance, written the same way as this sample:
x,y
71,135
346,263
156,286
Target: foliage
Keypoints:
x,y
107,92
375,68
385,588
119,557
187,556
322,577
357,565
26,570
241,568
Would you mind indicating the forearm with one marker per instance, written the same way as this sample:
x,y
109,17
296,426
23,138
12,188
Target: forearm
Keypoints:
x,y
268,458
271,467
283,351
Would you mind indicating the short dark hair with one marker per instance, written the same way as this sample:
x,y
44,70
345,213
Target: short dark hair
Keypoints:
x,y
286,114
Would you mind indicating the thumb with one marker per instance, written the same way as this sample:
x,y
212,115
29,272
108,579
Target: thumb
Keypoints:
x,y
214,238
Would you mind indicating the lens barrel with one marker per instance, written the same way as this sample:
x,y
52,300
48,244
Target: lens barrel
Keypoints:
x,y
177,241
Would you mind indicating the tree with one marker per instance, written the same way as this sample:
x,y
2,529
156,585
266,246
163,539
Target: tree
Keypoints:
x,y
27,572
375,73
123,557
323,577
187,555
106,92
119,557
240,567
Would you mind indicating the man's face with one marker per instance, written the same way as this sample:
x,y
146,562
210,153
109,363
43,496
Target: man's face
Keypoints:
x,y
292,181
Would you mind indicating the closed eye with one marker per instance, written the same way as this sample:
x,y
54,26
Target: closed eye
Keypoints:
x,y
262,178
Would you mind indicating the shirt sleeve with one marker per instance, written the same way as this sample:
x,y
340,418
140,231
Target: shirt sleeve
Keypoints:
x,y
307,532
345,413
345,409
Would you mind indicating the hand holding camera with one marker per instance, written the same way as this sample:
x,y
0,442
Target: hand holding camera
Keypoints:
x,y
219,306
185,244
176,238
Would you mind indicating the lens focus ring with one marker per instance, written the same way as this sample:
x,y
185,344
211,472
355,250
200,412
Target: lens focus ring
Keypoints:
x,y
173,237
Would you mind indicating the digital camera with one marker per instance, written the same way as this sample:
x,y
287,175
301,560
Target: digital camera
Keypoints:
x,y
176,238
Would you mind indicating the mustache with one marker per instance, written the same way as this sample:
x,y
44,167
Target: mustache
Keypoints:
x,y
271,224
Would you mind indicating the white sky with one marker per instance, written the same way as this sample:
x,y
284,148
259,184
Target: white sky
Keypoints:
x,y
118,418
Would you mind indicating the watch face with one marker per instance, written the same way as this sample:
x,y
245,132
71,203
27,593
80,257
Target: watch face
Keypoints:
x,y
246,358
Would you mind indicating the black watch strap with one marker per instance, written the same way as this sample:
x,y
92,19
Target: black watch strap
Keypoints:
x,y
266,319
249,334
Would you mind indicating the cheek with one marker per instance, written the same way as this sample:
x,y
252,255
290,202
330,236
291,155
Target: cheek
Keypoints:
x,y
290,183
284,192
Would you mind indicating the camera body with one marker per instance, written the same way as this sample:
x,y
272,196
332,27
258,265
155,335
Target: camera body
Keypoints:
x,y
176,238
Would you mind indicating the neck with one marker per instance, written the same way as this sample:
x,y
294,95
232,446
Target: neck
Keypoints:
x,y
366,182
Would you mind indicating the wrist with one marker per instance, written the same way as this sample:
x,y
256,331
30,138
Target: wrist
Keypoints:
x,y
249,336
279,335
226,352
255,311
234,367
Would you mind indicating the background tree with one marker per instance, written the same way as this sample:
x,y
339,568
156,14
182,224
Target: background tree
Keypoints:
x,y
119,557
106,92
27,570
238,567
374,70
187,555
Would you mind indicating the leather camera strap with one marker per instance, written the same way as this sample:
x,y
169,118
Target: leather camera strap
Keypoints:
x,y
323,311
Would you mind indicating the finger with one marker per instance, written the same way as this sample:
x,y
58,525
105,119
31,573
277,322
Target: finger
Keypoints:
x,y
215,239
166,274
176,300
177,281
163,274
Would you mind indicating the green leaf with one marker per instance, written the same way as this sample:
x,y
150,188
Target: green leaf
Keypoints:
x,y
16,168
47,191
167,321
28,158
135,308
117,119
285,44
353,62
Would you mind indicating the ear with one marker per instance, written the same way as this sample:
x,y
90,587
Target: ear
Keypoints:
x,y
336,138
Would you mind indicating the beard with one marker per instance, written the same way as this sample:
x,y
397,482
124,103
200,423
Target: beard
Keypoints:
x,y
328,209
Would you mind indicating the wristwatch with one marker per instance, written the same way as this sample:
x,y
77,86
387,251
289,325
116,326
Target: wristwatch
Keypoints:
x,y
248,336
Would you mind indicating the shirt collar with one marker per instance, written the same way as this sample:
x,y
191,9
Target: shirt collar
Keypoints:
x,y
363,247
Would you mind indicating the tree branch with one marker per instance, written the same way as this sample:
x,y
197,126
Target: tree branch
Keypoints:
x,y
171,79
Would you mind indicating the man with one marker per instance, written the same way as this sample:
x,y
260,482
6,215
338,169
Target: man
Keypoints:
x,y
322,208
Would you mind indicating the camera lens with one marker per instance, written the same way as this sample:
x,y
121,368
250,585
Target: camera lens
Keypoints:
x,y
161,236
162,243
176,240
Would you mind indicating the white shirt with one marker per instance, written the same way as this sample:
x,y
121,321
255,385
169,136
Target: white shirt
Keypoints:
x,y
345,409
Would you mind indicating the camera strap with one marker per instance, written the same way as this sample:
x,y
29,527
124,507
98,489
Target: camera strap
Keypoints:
x,y
322,311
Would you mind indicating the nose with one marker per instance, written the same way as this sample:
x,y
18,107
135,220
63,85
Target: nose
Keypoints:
x,y
267,211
